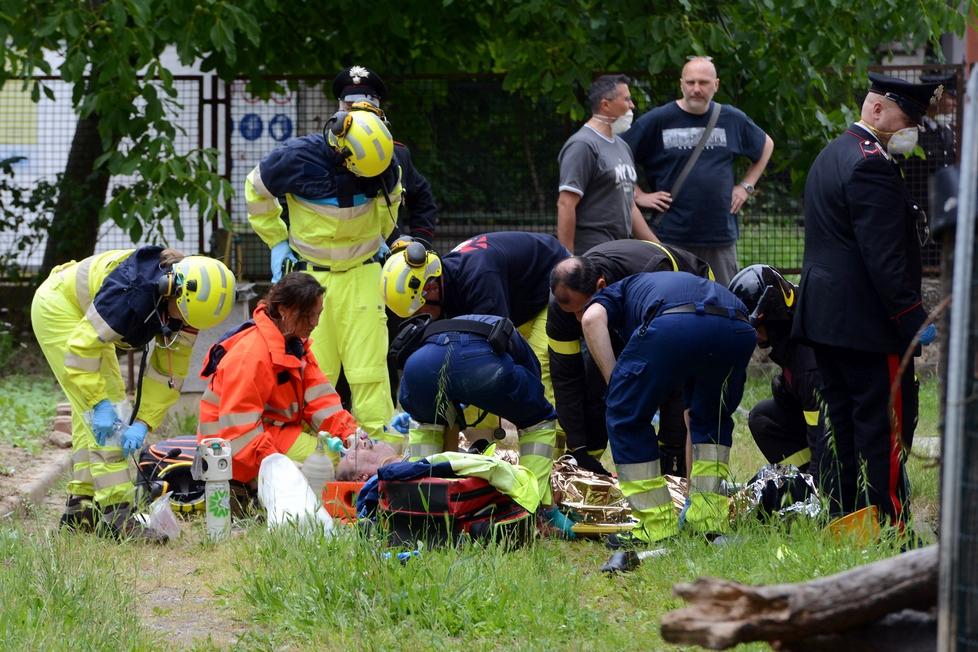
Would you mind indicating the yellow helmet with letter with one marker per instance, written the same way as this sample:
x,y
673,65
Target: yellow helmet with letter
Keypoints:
x,y
364,139
405,274
205,291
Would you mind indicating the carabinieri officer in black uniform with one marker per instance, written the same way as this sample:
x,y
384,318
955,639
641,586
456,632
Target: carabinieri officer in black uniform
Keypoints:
x,y
860,301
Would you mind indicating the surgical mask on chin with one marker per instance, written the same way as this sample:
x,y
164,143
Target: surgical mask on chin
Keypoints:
x,y
902,141
623,123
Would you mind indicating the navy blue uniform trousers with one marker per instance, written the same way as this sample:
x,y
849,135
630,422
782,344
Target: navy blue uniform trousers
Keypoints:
x,y
705,355
463,368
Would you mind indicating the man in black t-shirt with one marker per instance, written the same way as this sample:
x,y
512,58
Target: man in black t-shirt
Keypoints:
x,y
701,218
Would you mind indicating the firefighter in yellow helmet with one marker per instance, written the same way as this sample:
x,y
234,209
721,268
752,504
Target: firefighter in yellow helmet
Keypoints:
x,y
342,189
502,274
81,315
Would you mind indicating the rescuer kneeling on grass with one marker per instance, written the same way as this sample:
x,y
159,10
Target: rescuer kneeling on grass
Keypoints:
x,y
81,314
681,331
265,392
481,361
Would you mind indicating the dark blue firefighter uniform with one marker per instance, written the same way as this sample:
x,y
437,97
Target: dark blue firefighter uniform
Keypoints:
x,y
579,389
507,274
682,331
859,308
455,368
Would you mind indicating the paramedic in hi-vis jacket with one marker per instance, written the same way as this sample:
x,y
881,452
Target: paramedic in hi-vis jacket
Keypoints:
x,y
343,191
81,315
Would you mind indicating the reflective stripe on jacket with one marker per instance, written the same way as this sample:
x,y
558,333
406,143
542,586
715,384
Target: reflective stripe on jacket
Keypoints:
x,y
336,220
115,292
260,396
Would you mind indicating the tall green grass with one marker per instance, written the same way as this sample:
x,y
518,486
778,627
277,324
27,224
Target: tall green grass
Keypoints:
x,y
66,593
27,405
278,590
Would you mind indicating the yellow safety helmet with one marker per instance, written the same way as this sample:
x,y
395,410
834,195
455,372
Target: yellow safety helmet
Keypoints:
x,y
405,274
205,291
365,140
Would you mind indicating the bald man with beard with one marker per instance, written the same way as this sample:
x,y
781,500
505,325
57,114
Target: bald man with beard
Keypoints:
x,y
702,217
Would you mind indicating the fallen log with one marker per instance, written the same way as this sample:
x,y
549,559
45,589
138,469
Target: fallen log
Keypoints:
x,y
903,631
720,613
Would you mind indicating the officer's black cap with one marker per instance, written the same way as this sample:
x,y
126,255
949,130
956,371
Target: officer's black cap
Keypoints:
x,y
948,80
913,99
358,80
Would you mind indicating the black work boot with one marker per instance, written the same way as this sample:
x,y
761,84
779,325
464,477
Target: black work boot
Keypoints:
x,y
119,522
622,561
79,514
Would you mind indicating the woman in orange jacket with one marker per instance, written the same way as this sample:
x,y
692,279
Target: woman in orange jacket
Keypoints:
x,y
266,393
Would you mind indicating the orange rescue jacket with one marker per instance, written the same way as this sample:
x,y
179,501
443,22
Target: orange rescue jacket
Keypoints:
x,y
259,397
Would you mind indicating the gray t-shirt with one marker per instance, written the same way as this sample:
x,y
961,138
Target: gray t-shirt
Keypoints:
x,y
602,172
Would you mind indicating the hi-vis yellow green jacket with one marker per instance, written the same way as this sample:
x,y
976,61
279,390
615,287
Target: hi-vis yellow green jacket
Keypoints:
x,y
336,219
115,294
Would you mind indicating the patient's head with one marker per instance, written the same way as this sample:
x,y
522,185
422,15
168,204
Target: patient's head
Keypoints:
x,y
363,458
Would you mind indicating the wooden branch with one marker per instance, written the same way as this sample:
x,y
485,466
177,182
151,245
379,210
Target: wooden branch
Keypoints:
x,y
720,614
906,631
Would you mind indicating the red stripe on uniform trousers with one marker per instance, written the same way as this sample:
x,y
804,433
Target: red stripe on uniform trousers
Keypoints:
x,y
896,431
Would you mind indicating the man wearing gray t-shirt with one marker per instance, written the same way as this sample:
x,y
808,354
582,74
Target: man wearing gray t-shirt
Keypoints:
x,y
597,174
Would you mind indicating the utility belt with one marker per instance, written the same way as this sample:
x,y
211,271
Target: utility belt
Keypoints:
x,y
306,266
498,334
416,330
692,308
686,308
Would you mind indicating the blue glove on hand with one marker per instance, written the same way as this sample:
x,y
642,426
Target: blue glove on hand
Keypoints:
x,y
103,420
559,521
929,334
401,423
132,439
382,253
280,253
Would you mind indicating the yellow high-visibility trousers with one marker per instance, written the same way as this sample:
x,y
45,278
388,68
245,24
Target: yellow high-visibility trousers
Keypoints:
x,y
352,335
97,471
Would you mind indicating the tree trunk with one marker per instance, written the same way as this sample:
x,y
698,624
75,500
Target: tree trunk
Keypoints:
x,y
74,227
721,614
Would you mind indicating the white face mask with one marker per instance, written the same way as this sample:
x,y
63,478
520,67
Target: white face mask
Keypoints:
x,y
902,141
622,124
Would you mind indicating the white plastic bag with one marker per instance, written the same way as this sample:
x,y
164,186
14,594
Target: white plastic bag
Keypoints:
x,y
160,517
287,497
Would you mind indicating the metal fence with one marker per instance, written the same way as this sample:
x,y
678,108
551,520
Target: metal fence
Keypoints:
x,y
39,136
490,155
958,597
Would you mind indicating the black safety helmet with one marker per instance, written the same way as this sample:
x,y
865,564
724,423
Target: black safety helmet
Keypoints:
x,y
765,292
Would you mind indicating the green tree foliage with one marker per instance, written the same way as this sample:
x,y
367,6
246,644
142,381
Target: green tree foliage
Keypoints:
x,y
123,96
795,65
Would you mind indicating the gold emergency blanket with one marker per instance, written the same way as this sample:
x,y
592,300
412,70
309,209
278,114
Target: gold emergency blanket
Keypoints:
x,y
597,498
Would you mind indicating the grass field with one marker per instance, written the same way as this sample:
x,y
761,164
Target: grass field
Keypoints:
x,y
266,591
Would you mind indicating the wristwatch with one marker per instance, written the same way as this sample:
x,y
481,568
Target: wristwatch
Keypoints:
x,y
749,187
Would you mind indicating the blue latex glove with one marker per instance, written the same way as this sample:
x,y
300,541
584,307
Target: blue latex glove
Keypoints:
x,y
103,420
558,520
132,439
401,423
280,253
929,334
382,253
